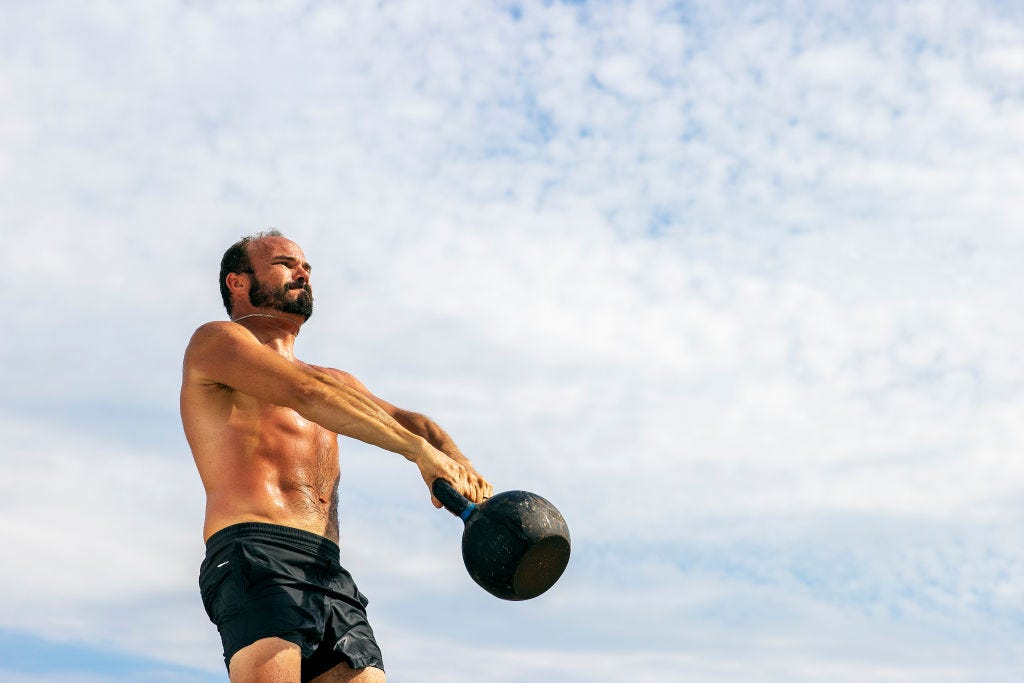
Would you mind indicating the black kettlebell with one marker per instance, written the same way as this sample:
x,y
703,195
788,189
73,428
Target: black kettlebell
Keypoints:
x,y
515,545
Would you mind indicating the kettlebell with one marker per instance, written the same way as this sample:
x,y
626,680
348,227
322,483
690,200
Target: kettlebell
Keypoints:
x,y
515,545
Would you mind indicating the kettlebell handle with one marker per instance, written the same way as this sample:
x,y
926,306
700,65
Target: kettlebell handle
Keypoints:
x,y
453,501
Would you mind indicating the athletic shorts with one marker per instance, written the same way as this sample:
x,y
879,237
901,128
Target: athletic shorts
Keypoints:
x,y
265,580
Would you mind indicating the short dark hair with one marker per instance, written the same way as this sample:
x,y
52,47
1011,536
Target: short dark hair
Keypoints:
x,y
236,260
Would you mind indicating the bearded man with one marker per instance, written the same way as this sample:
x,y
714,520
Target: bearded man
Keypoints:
x,y
263,427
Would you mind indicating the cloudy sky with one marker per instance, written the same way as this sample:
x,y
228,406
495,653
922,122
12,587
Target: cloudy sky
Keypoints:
x,y
733,284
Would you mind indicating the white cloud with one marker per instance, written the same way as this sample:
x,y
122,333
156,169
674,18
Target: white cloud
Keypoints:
x,y
100,532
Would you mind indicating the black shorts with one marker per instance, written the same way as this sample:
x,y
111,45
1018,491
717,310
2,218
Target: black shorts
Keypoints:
x,y
265,580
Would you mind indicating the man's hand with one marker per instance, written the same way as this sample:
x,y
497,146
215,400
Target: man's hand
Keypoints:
x,y
476,481
433,464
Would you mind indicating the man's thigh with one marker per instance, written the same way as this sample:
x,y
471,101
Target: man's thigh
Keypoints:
x,y
343,673
268,660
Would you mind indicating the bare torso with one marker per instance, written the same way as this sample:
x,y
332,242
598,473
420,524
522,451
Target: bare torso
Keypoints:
x,y
260,462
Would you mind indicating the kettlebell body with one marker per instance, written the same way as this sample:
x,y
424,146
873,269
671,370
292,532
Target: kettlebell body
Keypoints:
x,y
515,545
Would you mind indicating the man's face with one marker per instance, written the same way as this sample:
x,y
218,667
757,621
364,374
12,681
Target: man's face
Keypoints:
x,y
280,278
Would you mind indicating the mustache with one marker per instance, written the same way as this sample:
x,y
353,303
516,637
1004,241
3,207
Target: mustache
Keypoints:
x,y
300,285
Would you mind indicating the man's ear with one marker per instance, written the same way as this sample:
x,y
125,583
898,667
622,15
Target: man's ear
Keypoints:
x,y
237,282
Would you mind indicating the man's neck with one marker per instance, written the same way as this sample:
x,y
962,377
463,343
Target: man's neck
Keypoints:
x,y
274,329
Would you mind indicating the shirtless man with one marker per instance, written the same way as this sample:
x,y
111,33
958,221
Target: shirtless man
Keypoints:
x,y
263,427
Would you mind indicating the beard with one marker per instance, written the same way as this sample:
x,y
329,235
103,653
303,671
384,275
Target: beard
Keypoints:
x,y
262,296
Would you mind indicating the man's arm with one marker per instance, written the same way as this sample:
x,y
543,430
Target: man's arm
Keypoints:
x,y
423,426
227,354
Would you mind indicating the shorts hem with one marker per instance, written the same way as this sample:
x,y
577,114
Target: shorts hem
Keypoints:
x,y
365,662
291,637
356,664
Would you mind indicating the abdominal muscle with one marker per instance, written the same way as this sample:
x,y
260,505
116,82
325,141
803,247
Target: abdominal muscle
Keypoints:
x,y
268,464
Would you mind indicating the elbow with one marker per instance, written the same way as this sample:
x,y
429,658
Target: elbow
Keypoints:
x,y
307,393
414,422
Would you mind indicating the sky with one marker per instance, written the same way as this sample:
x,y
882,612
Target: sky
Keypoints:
x,y
731,284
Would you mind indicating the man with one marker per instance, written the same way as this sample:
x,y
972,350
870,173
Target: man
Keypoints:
x,y
263,427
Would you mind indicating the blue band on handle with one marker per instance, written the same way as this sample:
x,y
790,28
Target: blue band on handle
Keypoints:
x,y
468,511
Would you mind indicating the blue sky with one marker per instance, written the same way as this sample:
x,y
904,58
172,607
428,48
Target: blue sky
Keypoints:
x,y
734,286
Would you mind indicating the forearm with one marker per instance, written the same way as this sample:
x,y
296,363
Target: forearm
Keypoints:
x,y
348,412
348,408
423,426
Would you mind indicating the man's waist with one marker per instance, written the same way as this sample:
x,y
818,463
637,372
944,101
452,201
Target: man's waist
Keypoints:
x,y
262,531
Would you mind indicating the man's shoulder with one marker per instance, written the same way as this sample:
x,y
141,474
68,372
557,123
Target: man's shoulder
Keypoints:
x,y
218,338
215,326
218,329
